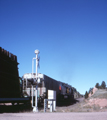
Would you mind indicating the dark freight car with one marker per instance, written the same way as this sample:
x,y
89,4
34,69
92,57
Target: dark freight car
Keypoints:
x,y
64,92
9,77
10,82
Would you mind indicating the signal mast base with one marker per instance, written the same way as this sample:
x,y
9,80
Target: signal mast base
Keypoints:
x,y
35,109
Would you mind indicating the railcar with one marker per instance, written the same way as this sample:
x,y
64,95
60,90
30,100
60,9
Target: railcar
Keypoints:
x,y
64,92
10,82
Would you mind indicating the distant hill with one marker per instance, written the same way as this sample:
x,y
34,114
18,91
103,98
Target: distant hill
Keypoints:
x,y
100,93
97,101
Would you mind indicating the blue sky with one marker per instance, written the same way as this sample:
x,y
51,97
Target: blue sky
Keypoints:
x,y
70,34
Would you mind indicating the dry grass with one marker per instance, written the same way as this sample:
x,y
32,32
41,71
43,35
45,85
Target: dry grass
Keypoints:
x,y
84,105
101,93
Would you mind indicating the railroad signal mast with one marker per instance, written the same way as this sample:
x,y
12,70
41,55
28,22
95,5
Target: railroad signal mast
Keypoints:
x,y
35,108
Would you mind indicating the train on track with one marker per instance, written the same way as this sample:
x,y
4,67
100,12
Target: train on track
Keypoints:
x,y
16,89
64,92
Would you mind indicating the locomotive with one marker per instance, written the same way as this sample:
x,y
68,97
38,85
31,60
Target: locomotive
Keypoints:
x,y
64,92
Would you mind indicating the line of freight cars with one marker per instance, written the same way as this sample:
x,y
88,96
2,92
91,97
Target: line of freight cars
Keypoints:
x,y
64,92
10,87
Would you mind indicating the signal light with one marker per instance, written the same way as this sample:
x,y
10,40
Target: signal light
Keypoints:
x,y
59,87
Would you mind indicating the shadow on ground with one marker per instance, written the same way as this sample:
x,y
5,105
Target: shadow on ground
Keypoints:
x,y
67,103
15,108
28,108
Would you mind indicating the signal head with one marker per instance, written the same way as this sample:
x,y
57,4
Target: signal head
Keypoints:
x,y
36,51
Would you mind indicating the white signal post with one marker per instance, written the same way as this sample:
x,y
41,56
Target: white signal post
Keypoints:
x,y
35,108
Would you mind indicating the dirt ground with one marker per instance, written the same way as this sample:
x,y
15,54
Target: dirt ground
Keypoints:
x,y
55,116
75,111
82,105
79,105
